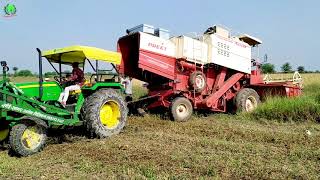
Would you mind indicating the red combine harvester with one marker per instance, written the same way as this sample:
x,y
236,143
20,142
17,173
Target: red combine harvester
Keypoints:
x,y
213,72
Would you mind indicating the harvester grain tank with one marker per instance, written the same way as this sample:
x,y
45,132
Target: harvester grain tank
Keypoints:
x,y
215,71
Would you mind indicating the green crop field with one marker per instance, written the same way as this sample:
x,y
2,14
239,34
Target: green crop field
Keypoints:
x,y
271,143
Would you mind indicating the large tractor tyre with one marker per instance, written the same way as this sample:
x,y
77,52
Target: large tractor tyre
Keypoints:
x,y
105,113
27,138
181,109
83,110
4,131
197,81
247,100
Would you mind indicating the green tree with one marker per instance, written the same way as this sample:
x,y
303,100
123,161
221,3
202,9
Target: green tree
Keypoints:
x,y
15,70
50,74
301,69
24,73
268,68
286,67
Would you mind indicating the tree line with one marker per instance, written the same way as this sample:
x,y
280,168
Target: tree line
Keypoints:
x,y
28,73
285,68
266,68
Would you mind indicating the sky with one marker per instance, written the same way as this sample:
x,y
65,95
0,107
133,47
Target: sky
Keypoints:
x,y
288,28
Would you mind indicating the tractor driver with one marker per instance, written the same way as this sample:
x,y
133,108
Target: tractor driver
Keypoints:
x,y
76,80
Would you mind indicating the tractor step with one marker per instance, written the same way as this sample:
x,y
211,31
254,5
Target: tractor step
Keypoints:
x,y
70,107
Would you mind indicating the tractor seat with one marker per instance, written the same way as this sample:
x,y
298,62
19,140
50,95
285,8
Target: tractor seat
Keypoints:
x,y
77,92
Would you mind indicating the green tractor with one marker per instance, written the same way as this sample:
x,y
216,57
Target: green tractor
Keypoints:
x,y
28,110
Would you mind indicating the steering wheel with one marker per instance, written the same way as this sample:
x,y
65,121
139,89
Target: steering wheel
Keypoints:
x,y
57,79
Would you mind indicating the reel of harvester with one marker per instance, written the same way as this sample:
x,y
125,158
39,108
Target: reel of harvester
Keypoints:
x,y
296,79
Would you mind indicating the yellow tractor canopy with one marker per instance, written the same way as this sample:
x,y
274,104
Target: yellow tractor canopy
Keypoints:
x,y
79,54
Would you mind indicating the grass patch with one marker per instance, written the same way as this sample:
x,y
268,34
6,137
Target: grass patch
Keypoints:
x,y
305,108
147,172
139,91
299,109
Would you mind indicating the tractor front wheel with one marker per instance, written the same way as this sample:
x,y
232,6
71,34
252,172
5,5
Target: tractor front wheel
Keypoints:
x,y
105,113
27,138
181,109
4,131
247,100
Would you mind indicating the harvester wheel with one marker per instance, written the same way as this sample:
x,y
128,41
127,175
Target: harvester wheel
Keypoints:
x,y
181,109
247,100
27,138
197,81
105,113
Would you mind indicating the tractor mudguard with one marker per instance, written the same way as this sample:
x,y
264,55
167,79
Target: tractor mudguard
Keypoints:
x,y
35,120
103,85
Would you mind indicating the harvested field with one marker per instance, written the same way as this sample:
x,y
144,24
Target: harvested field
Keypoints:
x,y
215,146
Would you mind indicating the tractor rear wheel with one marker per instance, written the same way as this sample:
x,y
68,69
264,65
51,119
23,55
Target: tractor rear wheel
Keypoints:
x,y
27,138
4,133
181,109
105,113
4,130
247,100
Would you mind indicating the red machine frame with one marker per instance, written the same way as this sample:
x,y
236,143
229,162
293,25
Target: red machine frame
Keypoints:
x,y
168,77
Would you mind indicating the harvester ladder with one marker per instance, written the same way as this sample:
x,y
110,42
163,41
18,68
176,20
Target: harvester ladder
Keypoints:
x,y
195,65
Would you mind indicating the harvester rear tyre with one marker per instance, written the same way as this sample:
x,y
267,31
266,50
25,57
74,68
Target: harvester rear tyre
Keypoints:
x,y
197,81
105,113
27,138
181,109
247,100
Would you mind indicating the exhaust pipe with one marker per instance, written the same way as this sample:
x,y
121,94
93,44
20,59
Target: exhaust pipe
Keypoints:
x,y
40,74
